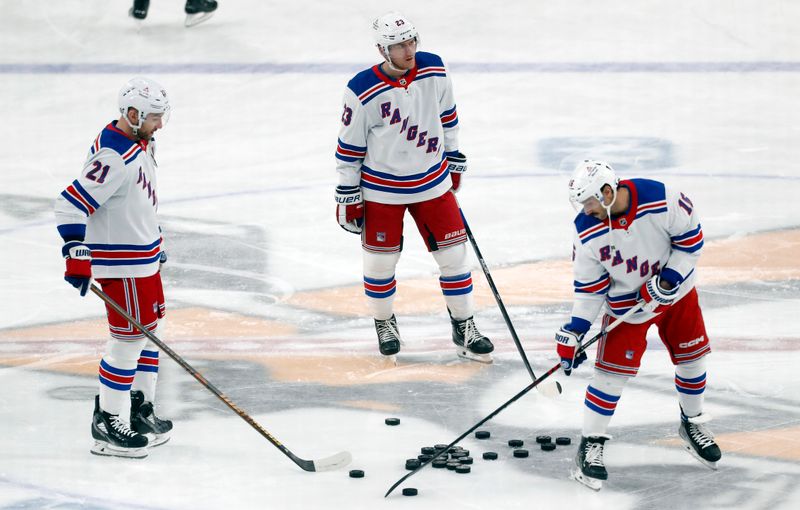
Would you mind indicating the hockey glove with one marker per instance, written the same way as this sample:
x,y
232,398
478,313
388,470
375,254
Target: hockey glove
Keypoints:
x,y
567,344
656,298
349,208
456,165
79,265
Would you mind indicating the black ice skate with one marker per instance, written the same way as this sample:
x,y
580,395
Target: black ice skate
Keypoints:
x,y
590,470
139,9
470,343
698,440
144,420
113,437
197,11
388,336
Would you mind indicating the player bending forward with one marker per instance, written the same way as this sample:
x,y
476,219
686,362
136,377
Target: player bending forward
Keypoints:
x,y
107,218
398,152
635,240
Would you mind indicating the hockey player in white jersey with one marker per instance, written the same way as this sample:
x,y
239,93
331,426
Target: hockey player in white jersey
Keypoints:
x,y
397,151
635,240
107,219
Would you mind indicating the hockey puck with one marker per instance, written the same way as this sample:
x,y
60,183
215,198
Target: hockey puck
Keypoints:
x,y
459,454
440,446
439,463
392,421
427,450
424,458
543,439
466,460
520,454
563,441
410,491
483,434
356,473
451,465
548,447
455,449
463,469
489,456
515,443
412,464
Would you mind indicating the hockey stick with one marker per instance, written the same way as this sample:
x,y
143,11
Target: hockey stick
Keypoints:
x,y
328,463
516,397
550,390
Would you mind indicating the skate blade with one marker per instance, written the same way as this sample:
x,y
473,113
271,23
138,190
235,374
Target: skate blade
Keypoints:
x,y
469,355
157,439
707,463
592,483
196,19
106,450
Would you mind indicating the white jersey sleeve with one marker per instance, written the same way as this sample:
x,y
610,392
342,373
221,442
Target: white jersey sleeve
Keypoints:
x,y
449,116
591,283
352,142
103,174
686,237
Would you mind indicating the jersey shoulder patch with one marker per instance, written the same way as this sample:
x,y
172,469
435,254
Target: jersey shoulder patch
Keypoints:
x,y
363,81
425,59
589,227
112,138
651,196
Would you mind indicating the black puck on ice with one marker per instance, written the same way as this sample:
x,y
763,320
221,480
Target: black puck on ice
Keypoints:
x,y
458,454
427,450
392,421
515,443
410,491
563,441
412,464
440,446
548,447
356,473
424,458
463,469
489,455
439,463
543,439
465,460
520,454
483,434
451,465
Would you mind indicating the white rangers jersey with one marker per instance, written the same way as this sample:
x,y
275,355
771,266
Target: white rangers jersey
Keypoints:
x,y
395,133
112,207
659,233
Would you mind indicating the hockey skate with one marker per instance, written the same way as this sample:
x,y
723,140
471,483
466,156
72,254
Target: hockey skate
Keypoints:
x,y
113,437
197,11
470,343
388,336
139,9
698,440
590,470
144,420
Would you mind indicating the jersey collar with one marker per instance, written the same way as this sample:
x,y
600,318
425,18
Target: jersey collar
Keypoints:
x,y
402,82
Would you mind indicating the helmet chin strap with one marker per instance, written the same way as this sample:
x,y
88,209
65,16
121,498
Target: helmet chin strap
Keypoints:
x,y
388,60
610,222
135,128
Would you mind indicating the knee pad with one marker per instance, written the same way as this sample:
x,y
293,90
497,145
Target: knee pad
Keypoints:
x,y
380,265
452,260
124,353
608,383
691,370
